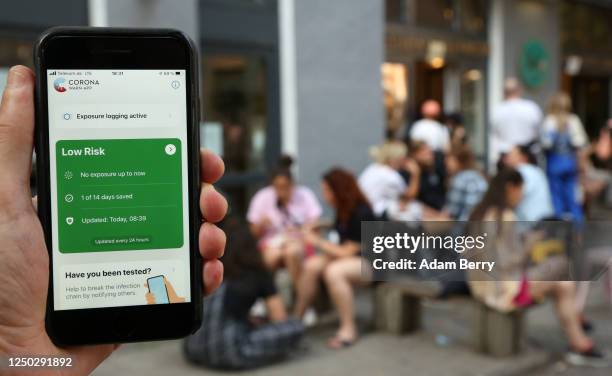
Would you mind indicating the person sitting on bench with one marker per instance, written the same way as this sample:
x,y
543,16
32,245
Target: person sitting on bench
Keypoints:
x,y
339,263
228,338
520,288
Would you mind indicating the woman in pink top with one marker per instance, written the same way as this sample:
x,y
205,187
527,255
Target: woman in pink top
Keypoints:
x,y
277,214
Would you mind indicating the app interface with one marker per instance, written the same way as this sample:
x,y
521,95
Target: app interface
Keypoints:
x,y
119,187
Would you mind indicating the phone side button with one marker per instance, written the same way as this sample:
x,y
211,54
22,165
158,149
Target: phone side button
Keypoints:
x,y
124,326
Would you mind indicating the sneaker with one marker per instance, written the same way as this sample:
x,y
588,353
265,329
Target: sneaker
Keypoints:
x,y
259,309
310,318
590,358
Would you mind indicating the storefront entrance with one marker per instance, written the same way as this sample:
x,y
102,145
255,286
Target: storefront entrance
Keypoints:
x,y
591,97
239,118
240,109
459,86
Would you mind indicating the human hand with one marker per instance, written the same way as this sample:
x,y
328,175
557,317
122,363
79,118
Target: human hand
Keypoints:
x,y
24,269
311,237
412,166
265,223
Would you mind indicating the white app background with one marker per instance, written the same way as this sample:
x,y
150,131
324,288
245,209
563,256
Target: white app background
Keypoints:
x,y
162,96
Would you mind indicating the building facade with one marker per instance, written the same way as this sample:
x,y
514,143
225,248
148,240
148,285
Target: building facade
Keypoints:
x,y
20,26
436,50
325,80
459,52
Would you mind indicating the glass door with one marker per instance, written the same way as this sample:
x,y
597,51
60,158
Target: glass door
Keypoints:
x,y
591,97
240,118
473,108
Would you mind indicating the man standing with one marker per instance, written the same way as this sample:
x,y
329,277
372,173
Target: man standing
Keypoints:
x,y
429,129
516,121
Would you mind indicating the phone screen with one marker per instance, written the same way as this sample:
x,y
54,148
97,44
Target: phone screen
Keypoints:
x,y
119,185
157,288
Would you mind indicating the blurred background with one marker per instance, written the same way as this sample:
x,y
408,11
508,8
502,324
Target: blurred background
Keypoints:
x,y
325,80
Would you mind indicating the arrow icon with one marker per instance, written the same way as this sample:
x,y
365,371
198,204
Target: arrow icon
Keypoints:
x,y
170,149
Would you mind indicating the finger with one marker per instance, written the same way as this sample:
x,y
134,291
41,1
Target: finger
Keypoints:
x,y
17,136
212,204
211,166
150,298
169,287
35,202
213,275
212,241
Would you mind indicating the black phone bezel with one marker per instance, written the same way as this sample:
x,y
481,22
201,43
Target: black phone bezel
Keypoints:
x,y
120,48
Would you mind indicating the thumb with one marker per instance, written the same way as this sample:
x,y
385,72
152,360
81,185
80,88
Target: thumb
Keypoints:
x,y
16,137
171,293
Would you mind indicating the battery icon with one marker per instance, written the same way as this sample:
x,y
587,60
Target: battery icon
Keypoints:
x,y
177,73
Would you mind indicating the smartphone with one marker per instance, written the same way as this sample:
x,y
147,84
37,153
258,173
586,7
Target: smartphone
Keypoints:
x,y
118,171
157,287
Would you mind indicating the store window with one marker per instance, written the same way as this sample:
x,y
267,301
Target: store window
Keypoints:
x,y
439,14
395,11
466,16
585,27
472,15
235,120
234,110
473,108
395,88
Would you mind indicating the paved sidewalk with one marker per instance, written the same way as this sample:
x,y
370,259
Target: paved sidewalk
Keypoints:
x,y
442,348
549,337
374,354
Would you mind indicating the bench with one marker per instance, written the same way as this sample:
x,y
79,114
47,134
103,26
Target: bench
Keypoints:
x,y
398,311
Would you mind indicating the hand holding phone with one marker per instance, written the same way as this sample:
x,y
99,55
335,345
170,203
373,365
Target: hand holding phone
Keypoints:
x,y
24,253
161,291
118,168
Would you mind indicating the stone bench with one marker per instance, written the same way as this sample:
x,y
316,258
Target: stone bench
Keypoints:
x,y
398,311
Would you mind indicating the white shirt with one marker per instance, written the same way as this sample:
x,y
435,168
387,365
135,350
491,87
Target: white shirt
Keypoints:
x,y
411,212
433,133
536,204
516,122
382,186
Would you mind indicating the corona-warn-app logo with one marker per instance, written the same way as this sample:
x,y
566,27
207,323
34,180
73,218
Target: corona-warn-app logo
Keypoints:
x,y
58,84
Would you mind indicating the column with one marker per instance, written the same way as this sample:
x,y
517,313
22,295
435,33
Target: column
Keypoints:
x,y
339,54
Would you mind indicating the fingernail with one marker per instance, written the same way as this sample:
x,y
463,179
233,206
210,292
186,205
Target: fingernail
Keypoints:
x,y
16,77
207,187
